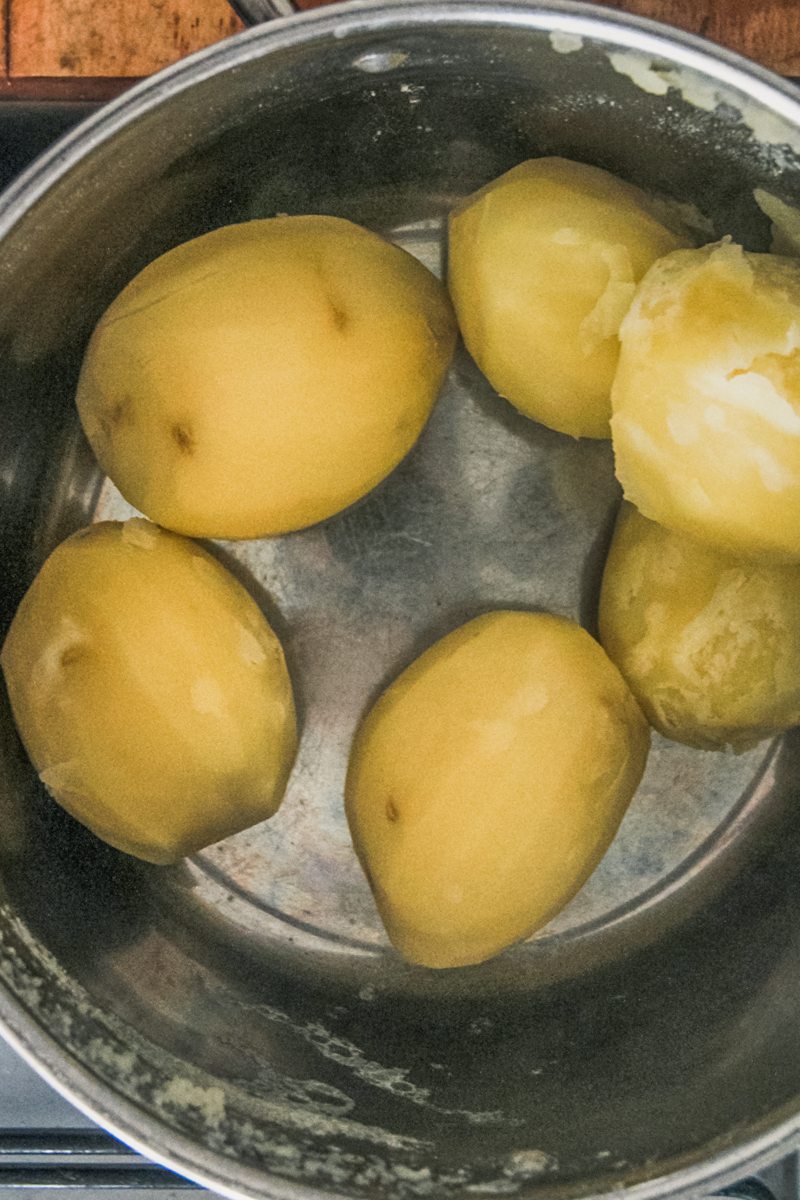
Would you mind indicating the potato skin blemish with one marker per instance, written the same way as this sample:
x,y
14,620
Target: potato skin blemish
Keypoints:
x,y
183,439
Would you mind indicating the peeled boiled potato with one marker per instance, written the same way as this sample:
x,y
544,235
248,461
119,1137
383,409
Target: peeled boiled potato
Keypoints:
x,y
149,691
543,264
709,643
264,376
706,423
487,782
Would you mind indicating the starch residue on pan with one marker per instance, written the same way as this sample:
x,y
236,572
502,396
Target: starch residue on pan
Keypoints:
x,y
293,1135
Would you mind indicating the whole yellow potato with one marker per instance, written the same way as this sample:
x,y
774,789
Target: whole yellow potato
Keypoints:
x,y
706,399
709,643
543,264
150,693
488,781
264,376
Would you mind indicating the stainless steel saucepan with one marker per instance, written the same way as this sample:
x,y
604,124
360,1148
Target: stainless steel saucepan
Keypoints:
x,y
240,1017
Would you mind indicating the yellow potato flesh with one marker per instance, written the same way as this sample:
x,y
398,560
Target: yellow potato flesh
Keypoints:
x,y
264,376
709,643
706,400
487,782
150,693
543,264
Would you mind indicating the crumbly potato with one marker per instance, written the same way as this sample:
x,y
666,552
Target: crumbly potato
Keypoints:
x,y
487,782
264,376
706,399
709,643
543,264
150,693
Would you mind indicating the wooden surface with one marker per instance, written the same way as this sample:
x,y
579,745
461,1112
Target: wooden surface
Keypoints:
x,y
96,47
111,37
765,30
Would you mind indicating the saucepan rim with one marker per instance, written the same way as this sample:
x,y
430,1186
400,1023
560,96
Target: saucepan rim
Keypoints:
x,y
747,1149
